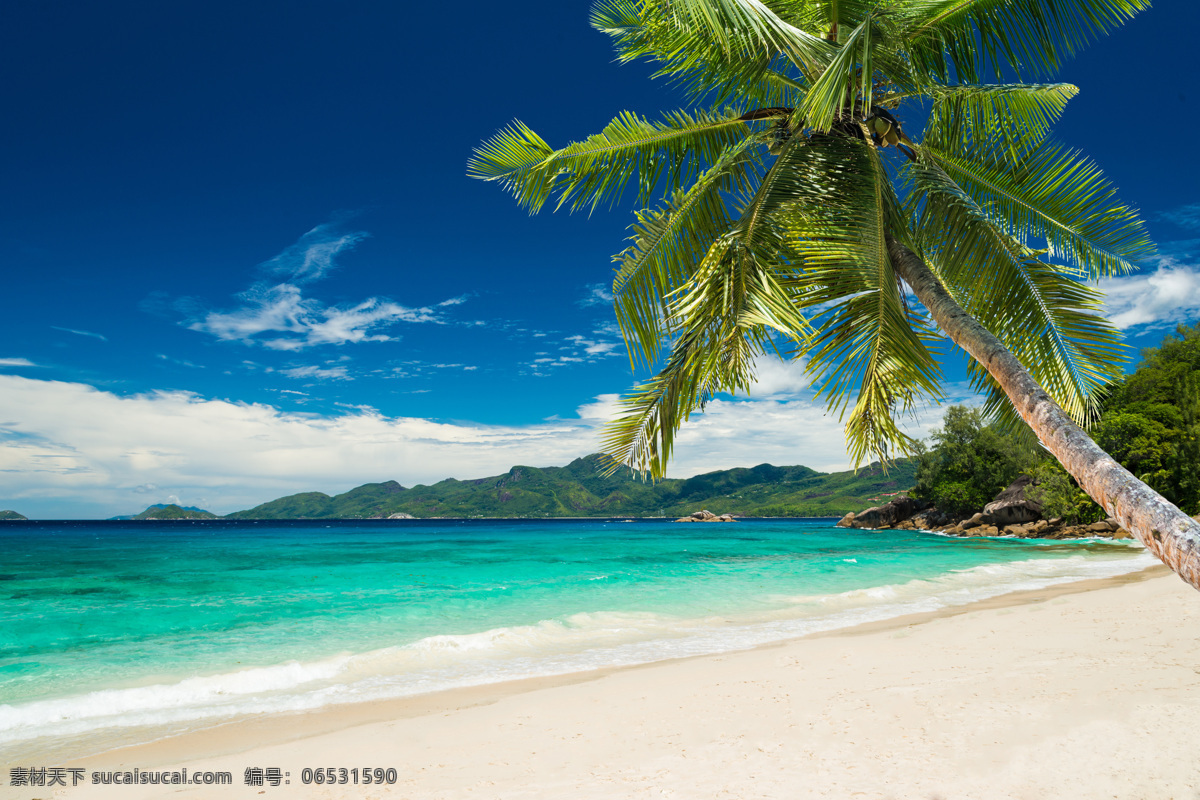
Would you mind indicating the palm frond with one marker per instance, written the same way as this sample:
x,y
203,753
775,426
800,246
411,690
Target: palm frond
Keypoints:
x,y
848,74
870,346
725,312
961,38
1054,195
1050,321
599,168
668,243
1014,117
705,67
734,23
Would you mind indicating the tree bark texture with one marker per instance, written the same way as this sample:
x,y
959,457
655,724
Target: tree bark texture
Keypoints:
x,y
1157,523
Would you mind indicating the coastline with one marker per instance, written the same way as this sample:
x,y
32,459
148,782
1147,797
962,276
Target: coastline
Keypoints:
x,y
975,672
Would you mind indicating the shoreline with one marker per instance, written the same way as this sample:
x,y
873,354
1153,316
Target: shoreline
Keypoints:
x,y
111,739
299,732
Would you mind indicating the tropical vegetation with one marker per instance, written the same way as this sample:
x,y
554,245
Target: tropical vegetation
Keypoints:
x,y
969,462
580,489
842,153
1150,423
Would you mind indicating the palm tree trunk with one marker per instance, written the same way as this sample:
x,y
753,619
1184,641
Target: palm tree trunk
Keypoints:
x,y
1165,530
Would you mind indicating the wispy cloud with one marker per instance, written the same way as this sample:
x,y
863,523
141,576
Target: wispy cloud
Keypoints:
x,y
603,342
1163,298
279,316
412,369
597,294
16,362
318,373
313,254
99,336
181,362
1185,216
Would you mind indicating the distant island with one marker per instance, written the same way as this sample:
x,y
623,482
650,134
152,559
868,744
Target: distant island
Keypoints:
x,y
11,516
170,511
173,511
580,490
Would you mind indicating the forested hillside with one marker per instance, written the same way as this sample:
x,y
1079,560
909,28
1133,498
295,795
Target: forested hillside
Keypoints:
x,y
581,490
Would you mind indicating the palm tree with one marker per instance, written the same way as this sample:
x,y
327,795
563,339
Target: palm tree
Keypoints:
x,y
794,210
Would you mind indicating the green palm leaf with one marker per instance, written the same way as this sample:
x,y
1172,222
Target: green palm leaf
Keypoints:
x,y
1015,117
870,346
964,37
1053,195
668,242
599,168
1049,320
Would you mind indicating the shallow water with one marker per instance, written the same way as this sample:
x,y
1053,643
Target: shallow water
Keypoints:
x,y
162,627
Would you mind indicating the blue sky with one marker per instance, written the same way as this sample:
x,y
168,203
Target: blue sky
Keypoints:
x,y
242,257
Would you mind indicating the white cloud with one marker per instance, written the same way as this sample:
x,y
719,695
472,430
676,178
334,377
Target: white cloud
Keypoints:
x,y
597,295
304,322
99,336
775,377
16,362
1185,216
181,362
1165,297
578,349
68,449
320,373
313,254
278,315
592,347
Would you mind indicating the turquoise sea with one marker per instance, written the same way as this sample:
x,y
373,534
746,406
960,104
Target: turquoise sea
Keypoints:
x,y
123,631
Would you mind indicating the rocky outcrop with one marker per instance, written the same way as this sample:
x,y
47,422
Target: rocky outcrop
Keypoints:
x,y
1013,513
706,516
888,515
930,519
1016,505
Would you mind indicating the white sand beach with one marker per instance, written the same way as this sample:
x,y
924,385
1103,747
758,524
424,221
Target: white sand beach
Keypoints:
x,y
1086,690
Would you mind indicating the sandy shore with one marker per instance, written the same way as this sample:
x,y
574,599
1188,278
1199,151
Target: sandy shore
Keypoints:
x,y
1089,690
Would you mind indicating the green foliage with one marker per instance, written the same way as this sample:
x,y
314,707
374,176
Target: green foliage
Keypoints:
x,y
969,464
1061,496
582,489
1141,445
11,515
766,216
1151,422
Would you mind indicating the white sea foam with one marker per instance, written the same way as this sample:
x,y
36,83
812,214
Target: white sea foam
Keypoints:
x,y
571,644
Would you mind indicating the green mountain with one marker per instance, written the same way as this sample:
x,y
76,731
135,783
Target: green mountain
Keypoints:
x,y
173,511
579,490
11,515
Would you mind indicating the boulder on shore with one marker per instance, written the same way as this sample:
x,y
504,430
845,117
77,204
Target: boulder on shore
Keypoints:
x,y
706,516
846,521
888,514
930,519
1015,506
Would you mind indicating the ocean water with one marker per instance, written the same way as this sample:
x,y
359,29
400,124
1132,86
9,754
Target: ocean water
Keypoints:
x,y
125,631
